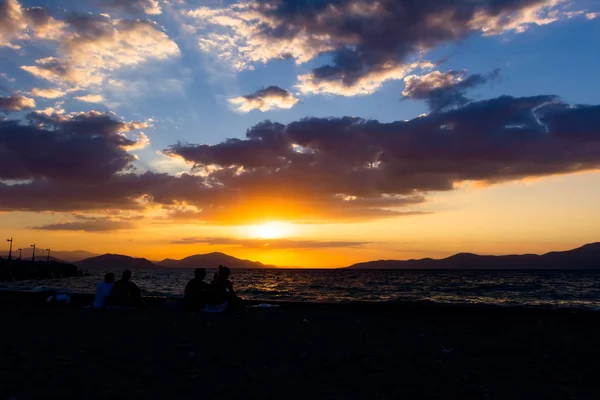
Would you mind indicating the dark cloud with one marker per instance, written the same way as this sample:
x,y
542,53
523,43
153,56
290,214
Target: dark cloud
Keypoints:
x,y
265,99
368,42
16,103
87,146
95,225
273,244
371,165
312,170
444,90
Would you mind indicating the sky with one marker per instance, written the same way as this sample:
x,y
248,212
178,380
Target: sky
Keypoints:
x,y
309,133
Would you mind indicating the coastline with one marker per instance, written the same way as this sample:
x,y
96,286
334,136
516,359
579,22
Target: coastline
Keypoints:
x,y
299,351
38,299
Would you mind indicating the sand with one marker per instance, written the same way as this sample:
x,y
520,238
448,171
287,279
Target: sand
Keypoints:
x,y
298,353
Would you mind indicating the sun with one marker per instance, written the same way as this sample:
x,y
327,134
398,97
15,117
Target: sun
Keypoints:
x,y
269,230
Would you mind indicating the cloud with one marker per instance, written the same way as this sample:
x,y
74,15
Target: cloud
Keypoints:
x,y
368,42
313,170
93,47
269,98
333,168
273,244
16,103
135,7
59,71
19,23
90,98
93,225
443,90
88,146
331,80
48,93
141,142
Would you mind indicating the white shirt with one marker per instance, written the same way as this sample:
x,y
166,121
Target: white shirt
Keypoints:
x,y
103,290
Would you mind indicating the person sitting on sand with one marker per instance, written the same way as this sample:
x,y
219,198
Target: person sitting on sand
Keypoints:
x,y
126,293
196,291
221,291
103,290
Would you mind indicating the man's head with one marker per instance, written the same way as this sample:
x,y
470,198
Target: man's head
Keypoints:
x,y
200,273
109,277
224,272
126,275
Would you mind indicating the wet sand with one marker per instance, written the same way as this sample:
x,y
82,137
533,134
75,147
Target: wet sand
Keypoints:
x,y
298,353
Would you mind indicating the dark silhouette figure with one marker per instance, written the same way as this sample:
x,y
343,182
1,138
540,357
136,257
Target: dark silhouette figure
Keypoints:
x,y
103,291
221,290
196,292
126,293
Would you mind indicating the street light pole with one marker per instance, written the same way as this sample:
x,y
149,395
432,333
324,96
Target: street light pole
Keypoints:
x,y
10,248
33,255
48,259
20,252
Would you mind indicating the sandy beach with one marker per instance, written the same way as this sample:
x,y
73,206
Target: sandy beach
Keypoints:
x,y
298,353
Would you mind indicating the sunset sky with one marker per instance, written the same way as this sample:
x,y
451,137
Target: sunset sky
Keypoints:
x,y
312,133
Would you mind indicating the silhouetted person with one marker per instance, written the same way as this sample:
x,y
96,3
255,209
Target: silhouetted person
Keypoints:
x,y
196,292
103,290
221,291
126,293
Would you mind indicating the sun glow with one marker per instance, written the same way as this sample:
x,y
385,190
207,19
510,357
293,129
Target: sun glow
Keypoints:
x,y
269,230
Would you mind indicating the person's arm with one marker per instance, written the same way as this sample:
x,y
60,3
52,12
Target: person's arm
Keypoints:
x,y
135,289
230,287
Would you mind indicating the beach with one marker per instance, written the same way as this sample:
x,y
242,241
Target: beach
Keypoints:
x,y
299,352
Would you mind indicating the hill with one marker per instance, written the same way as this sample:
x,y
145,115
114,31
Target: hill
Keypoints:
x,y
585,257
112,261
59,255
212,260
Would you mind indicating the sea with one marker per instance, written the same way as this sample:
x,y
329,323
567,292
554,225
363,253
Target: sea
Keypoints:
x,y
545,289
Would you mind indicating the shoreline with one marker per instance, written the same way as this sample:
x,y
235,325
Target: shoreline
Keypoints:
x,y
38,299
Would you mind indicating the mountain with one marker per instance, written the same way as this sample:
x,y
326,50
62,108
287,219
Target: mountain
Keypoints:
x,y
112,261
211,260
66,255
73,255
585,257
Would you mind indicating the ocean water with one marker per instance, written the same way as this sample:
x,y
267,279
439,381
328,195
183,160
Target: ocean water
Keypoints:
x,y
564,289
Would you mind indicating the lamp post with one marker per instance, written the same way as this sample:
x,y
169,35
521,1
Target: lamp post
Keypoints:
x,y
48,258
10,248
20,252
33,255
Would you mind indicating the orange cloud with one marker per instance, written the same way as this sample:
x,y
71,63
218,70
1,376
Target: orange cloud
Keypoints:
x,y
48,93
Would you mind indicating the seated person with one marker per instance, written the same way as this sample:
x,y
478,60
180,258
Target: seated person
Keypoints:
x,y
221,291
194,297
126,293
103,290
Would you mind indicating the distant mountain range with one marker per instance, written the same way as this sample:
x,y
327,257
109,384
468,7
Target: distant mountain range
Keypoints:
x,y
69,256
585,257
110,261
210,260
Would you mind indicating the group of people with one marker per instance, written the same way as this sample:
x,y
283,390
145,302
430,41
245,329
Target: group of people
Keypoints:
x,y
218,295
122,293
